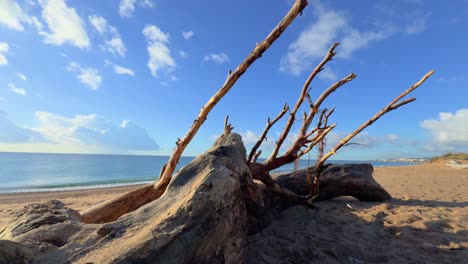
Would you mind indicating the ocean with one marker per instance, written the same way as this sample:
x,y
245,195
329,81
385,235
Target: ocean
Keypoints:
x,y
27,172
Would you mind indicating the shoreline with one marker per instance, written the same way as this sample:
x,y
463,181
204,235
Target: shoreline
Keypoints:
x,y
11,197
426,182
129,183
425,221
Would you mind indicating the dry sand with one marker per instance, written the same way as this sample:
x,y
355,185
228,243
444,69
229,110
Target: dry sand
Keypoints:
x,y
425,222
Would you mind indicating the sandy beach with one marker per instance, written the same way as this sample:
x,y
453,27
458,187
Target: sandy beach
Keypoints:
x,y
425,222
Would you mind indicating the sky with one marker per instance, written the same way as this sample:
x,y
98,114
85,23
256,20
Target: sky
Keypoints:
x,y
130,76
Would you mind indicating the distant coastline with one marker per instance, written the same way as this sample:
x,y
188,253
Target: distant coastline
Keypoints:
x,y
405,160
44,172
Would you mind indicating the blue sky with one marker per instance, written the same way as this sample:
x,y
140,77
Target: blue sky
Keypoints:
x,y
129,77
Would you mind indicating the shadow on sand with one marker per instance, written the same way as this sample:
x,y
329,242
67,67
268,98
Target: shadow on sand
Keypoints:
x,y
350,231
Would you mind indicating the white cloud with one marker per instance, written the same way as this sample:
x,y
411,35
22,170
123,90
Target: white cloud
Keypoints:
x,y
21,76
328,74
17,90
354,40
188,34
449,130
64,24
87,76
116,46
94,130
153,34
330,26
418,24
11,15
36,23
393,138
217,58
122,70
408,17
99,23
127,7
90,77
250,137
113,41
183,54
11,133
160,58
146,3
3,49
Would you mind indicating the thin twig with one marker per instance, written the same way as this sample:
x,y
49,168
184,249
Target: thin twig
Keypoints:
x,y
265,132
227,127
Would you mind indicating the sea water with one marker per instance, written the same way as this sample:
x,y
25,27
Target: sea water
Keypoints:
x,y
23,172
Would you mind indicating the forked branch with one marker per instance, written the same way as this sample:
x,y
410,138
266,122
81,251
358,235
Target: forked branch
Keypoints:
x,y
390,107
305,138
343,142
305,89
232,77
227,126
253,152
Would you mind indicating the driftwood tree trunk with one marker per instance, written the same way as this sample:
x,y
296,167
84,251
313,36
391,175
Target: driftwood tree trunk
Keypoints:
x,y
213,204
113,209
307,137
209,210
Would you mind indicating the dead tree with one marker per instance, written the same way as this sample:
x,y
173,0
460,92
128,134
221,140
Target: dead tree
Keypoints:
x,y
306,139
113,209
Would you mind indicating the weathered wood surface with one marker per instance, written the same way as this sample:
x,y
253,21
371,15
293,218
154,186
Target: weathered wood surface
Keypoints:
x,y
337,180
201,218
205,216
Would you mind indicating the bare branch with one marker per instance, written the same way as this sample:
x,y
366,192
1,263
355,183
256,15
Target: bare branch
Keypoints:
x,y
333,88
305,88
391,106
227,127
412,88
257,52
265,132
407,101
256,156
316,140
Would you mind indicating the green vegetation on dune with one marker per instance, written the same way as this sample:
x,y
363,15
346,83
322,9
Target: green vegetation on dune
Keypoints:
x,y
454,156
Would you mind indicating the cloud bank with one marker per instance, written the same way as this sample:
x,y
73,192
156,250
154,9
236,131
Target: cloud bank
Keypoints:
x,y
94,130
449,131
10,133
